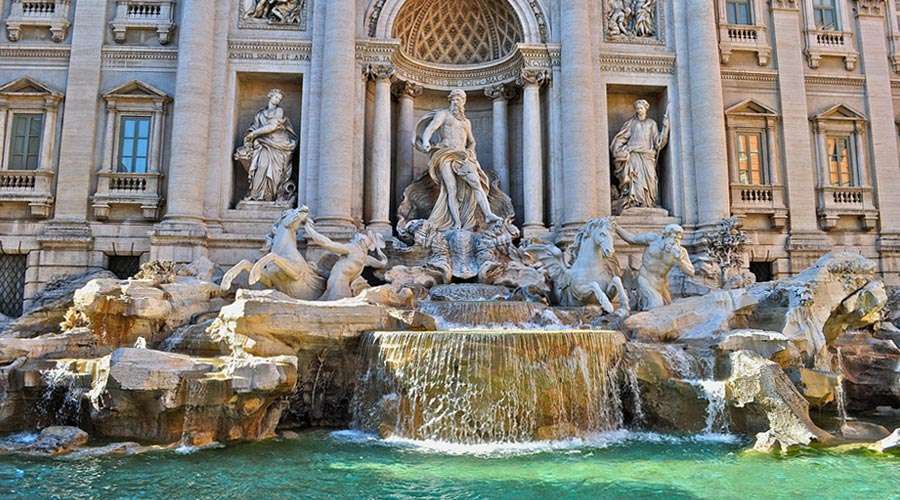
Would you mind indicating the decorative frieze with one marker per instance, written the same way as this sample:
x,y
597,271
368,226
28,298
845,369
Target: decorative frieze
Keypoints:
x,y
148,15
873,8
632,63
274,14
269,50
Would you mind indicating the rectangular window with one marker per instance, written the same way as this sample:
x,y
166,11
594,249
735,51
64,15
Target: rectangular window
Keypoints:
x,y
840,163
25,142
825,14
751,157
739,12
134,144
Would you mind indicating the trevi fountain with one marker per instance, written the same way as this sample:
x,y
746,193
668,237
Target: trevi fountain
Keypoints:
x,y
466,341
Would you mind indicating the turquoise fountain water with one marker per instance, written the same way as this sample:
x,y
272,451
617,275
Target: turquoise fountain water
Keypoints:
x,y
350,465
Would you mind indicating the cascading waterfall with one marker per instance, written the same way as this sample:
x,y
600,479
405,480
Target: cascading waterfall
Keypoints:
x,y
839,395
634,386
699,370
477,387
714,392
62,396
493,316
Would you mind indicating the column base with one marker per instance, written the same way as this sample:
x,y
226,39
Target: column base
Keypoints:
x,y
66,248
534,232
806,248
382,228
181,241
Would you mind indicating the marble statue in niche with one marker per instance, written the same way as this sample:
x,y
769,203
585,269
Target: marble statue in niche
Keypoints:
x,y
464,186
274,11
631,19
635,150
267,152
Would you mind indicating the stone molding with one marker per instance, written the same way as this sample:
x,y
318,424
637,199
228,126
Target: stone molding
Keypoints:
x,y
34,53
750,76
444,77
128,57
269,50
789,5
634,63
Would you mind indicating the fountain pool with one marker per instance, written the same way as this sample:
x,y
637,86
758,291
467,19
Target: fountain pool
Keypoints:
x,y
320,464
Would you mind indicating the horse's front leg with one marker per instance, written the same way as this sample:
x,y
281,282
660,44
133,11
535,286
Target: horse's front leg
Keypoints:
x,y
597,291
234,272
617,286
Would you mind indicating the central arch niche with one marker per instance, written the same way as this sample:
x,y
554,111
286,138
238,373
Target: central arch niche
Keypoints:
x,y
463,32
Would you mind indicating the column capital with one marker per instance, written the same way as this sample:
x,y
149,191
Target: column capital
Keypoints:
x,y
500,91
533,76
870,8
379,71
792,5
407,88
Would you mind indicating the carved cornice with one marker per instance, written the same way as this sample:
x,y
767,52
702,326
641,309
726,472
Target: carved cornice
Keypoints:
x,y
750,76
269,50
870,8
631,63
25,52
132,56
857,82
376,51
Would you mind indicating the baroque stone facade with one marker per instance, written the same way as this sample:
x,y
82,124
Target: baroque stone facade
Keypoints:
x,y
120,119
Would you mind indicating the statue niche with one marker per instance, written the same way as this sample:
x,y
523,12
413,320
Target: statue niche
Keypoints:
x,y
457,211
635,150
267,153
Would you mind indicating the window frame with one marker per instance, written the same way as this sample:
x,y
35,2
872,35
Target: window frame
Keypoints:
x,y
121,128
841,121
763,152
27,154
751,15
852,160
835,10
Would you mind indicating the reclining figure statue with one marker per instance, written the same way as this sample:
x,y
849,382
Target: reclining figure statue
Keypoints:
x,y
284,268
594,276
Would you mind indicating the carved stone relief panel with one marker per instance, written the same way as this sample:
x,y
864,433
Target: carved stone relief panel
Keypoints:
x,y
274,14
632,21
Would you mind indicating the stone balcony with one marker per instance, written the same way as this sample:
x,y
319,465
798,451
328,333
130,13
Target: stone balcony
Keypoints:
x,y
33,188
829,43
836,202
744,38
151,15
748,199
50,14
127,189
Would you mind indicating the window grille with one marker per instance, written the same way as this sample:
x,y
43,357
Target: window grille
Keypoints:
x,y
124,266
12,284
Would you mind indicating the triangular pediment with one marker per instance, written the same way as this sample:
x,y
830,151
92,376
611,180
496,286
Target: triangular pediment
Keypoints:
x,y
751,107
136,90
840,112
28,87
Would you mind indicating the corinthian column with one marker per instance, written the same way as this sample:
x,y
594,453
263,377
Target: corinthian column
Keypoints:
x,y
580,175
879,101
337,117
500,95
405,174
192,108
707,114
532,152
378,180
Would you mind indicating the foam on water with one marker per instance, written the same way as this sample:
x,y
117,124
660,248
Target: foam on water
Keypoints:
x,y
586,443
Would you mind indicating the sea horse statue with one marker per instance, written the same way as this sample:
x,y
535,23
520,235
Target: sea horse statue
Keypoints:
x,y
594,276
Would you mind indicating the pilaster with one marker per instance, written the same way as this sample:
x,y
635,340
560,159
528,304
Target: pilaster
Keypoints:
x,y
806,242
